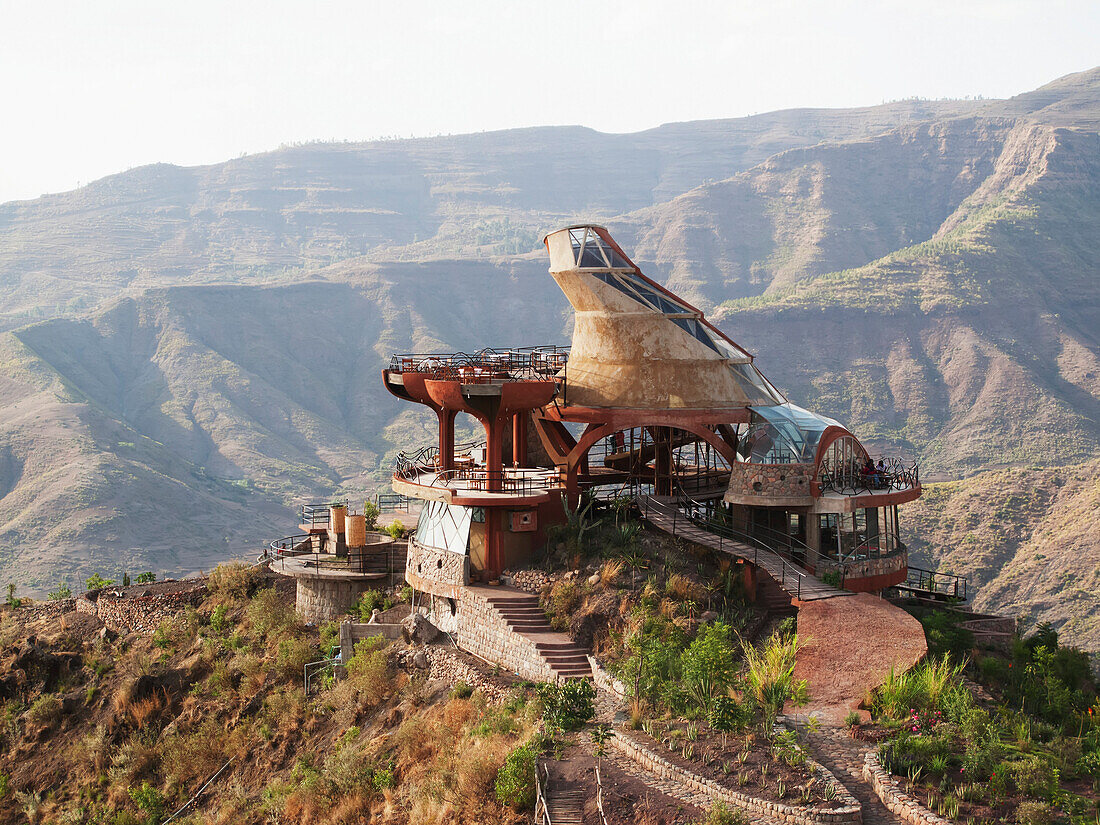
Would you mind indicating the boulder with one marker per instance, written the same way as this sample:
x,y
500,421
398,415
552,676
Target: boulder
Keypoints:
x,y
420,660
594,579
709,616
416,629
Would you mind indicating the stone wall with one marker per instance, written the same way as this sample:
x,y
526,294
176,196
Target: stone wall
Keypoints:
x,y
484,632
441,611
763,481
849,812
868,575
438,572
323,599
135,613
888,789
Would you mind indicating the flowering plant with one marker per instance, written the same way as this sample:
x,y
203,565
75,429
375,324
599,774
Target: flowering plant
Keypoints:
x,y
923,721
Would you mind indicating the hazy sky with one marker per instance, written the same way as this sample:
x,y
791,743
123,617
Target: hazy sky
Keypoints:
x,y
91,88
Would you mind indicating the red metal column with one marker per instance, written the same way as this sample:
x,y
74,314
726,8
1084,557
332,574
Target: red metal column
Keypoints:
x,y
494,447
446,439
493,540
519,439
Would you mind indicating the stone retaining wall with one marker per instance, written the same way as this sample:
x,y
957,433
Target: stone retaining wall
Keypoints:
x,y
763,481
439,572
448,667
849,812
319,600
888,789
605,681
868,574
484,632
138,614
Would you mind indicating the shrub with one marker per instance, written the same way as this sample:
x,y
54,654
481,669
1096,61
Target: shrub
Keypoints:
x,y
218,620
945,637
368,602
515,783
396,529
146,577
461,690
234,580
719,814
46,710
369,671
371,512
562,601
293,655
269,614
1034,813
852,719
567,705
932,685
148,800
709,663
1034,778
62,591
96,582
771,675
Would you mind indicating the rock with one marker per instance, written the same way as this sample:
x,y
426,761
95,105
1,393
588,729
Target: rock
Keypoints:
x,y
106,634
709,616
415,629
420,660
594,579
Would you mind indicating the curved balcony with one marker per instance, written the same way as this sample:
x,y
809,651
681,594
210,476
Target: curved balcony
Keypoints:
x,y
542,363
477,486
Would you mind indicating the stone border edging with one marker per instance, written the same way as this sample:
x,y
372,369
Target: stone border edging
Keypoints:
x,y
888,789
851,812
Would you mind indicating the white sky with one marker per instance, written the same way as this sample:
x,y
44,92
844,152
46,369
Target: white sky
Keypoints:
x,y
91,88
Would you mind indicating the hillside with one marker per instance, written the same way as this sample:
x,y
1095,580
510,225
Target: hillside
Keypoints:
x,y
187,353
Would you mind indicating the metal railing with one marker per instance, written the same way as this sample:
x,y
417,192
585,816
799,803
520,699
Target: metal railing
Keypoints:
x,y
787,569
427,458
934,582
541,363
391,501
315,514
871,548
850,479
516,481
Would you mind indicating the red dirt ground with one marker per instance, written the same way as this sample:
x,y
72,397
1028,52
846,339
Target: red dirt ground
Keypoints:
x,y
849,645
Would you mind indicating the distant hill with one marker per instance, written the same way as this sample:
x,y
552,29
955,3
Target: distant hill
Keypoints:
x,y
189,352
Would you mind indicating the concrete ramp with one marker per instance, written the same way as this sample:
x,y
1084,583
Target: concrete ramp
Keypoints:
x,y
848,648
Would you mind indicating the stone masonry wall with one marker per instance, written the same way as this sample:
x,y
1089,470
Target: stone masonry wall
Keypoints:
x,y
436,571
140,614
888,789
771,480
849,812
323,599
484,632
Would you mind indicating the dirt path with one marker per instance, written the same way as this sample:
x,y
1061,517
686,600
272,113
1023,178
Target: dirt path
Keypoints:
x,y
849,646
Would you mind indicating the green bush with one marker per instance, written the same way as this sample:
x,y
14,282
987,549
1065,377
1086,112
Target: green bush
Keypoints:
x,y
461,690
146,577
567,705
293,655
234,580
371,512
1034,778
770,673
1034,813
709,664
96,582
269,614
945,637
368,602
515,782
62,591
149,801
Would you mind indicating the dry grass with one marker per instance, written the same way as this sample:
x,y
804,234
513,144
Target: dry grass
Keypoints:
x,y
609,573
233,581
683,589
143,711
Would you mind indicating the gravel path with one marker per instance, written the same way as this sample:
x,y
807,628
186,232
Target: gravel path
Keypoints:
x,y
842,755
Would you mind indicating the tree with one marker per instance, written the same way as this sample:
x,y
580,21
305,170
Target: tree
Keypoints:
x,y
97,582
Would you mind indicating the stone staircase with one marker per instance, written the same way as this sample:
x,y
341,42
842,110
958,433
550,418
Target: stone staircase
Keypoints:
x,y
562,656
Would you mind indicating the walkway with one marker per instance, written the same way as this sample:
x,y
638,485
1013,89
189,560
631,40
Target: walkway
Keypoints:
x,y
843,756
663,514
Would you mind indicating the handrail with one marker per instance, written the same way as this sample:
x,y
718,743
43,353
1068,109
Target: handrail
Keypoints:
x,y
754,542
542,790
894,476
518,481
929,581
314,514
486,365
427,457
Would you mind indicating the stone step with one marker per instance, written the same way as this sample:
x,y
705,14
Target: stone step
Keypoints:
x,y
521,611
513,601
550,647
